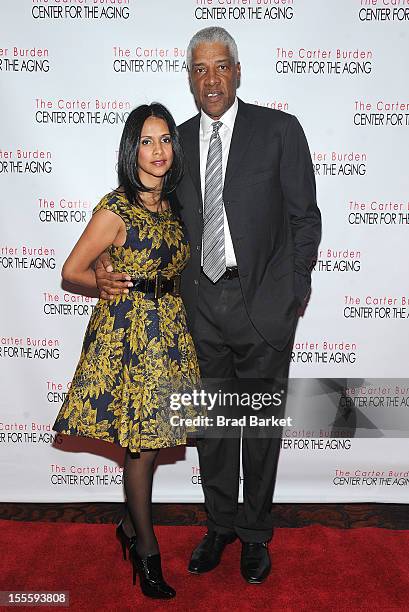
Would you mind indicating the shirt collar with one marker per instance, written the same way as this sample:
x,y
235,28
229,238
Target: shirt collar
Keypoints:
x,y
227,119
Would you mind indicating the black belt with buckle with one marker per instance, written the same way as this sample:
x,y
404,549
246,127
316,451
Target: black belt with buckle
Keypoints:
x,y
157,286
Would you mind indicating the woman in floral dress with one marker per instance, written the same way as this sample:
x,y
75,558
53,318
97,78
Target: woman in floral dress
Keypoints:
x,y
137,350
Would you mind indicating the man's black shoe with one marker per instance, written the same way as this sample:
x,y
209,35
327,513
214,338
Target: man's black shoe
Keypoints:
x,y
206,556
255,562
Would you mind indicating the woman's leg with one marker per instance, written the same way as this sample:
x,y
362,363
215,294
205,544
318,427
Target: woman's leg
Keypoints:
x,y
138,476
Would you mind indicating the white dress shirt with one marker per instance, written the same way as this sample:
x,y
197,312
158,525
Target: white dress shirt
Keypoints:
x,y
225,132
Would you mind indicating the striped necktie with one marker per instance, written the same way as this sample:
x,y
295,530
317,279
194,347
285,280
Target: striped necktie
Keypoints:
x,y
214,260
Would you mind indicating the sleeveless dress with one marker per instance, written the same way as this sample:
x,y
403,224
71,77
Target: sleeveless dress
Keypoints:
x,y
137,351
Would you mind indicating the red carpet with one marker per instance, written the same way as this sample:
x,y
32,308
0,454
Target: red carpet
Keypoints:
x,y
315,568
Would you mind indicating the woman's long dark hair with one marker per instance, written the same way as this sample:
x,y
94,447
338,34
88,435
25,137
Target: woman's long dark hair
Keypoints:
x,y
128,176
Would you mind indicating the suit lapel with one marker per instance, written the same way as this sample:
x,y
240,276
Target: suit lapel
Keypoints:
x,y
191,146
242,133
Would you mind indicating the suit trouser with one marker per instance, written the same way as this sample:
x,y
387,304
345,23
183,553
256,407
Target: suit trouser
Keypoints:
x,y
230,348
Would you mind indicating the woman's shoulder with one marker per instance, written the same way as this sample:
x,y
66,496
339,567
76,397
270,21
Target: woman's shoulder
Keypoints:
x,y
114,200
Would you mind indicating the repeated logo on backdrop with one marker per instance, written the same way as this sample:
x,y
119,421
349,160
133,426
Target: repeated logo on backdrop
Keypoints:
x,y
375,11
24,257
376,307
323,61
377,213
156,60
28,434
324,352
381,113
370,478
23,59
14,347
24,161
92,10
56,210
339,163
79,112
65,475
65,304
243,10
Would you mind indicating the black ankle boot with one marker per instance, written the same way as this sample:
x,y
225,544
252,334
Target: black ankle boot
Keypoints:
x,y
125,541
150,575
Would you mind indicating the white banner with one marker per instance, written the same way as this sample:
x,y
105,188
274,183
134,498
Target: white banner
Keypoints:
x,y
70,72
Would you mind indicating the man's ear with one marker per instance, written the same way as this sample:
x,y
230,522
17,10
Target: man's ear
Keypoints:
x,y
190,81
238,68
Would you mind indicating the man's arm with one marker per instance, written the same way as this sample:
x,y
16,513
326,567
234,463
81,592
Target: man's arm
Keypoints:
x,y
110,283
298,187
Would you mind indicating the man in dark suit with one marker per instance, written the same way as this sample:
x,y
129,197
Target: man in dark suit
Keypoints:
x,y
243,323
248,202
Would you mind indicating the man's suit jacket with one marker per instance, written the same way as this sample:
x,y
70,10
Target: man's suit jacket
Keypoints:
x,y
274,221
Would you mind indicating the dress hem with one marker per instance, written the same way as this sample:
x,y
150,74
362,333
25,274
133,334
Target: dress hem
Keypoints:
x,y
141,448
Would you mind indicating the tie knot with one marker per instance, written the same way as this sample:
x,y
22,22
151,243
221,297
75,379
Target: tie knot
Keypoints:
x,y
216,127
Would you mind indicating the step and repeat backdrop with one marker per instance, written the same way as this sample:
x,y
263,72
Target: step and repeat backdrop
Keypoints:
x,y
70,72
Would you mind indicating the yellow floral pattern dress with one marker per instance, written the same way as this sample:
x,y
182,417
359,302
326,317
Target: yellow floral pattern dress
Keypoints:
x,y
137,351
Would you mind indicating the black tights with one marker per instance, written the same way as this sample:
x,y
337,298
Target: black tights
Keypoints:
x,y
138,476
